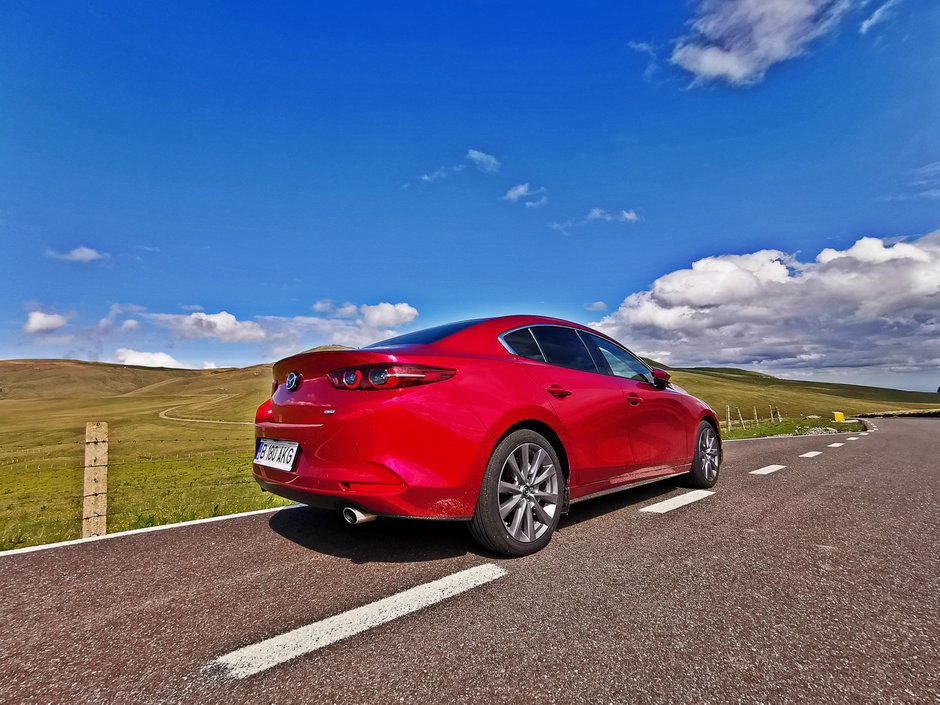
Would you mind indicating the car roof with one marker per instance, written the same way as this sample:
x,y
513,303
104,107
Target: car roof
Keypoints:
x,y
482,336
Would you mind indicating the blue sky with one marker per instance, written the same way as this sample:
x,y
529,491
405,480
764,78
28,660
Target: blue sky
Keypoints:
x,y
333,172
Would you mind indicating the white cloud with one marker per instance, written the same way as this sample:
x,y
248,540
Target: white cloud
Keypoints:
x,y
116,310
871,305
386,315
222,326
738,40
368,324
79,254
346,324
486,163
520,191
524,191
130,324
126,356
596,306
39,323
623,216
927,180
872,249
442,173
191,307
882,14
596,214
925,183
649,50
346,310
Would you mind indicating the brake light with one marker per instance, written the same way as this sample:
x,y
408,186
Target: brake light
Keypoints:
x,y
264,413
391,376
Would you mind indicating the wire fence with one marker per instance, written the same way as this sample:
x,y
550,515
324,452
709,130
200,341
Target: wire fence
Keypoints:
x,y
149,480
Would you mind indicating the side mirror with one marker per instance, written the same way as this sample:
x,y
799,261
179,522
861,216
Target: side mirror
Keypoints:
x,y
660,378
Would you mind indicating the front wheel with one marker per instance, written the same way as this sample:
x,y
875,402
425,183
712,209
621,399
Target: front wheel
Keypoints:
x,y
520,498
707,459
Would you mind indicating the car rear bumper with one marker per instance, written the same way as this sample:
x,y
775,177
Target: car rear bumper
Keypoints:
x,y
416,503
401,459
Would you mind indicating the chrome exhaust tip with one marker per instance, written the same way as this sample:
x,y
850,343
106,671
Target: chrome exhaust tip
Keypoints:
x,y
354,516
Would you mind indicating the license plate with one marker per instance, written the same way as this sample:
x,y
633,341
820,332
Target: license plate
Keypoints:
x,y
279,455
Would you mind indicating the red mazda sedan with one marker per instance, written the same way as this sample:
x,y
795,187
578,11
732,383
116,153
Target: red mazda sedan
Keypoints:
x,y
502,422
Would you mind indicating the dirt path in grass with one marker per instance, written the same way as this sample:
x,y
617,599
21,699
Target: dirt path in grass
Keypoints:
x,y
165,414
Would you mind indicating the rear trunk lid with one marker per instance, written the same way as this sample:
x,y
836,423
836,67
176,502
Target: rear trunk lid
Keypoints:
x,y
313,396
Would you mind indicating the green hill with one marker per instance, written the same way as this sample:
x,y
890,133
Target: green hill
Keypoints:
x,y
741,388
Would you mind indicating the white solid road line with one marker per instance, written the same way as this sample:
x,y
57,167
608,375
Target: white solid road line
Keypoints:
x,y
811,454
145,530
767,470
676,502
261,656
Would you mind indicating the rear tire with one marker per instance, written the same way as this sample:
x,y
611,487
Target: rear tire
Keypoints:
x,y
520,497
707,459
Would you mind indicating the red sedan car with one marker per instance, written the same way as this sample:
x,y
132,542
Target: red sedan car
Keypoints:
x,y
502,422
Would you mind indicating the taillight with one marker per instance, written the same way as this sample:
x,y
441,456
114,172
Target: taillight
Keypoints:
x,y
264,413
389,376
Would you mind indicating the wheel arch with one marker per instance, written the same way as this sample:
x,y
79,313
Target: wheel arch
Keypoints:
x,y
712,420
549,434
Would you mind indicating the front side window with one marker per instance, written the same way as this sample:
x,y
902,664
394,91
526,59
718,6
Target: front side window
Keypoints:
x,y
563,347
621,363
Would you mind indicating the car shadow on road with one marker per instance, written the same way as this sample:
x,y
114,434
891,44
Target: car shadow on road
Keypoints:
x,y
389,540
593,508
385,540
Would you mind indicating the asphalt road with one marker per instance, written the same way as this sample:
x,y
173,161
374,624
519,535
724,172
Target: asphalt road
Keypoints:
x,y
814,583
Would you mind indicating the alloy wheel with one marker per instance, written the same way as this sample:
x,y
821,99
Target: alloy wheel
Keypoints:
x,y
708,453
528,492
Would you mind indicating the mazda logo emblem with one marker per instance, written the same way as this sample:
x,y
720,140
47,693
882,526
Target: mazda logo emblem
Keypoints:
x,y
293,381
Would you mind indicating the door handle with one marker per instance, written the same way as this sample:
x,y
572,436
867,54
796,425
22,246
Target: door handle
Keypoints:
x,y
634,398
556,390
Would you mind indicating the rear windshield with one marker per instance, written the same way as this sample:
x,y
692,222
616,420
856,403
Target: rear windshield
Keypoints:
x,y
426,336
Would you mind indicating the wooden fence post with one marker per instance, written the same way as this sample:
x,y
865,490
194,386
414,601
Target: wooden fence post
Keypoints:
x,y
756,420
740,417
95,495
728,414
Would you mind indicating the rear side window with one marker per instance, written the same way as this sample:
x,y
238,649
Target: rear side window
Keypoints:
x,y
622,363
523,344
563,347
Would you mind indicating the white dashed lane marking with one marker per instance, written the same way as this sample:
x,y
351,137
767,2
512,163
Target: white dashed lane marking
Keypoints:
x,y
811,454
853,438
676,502
767,470
271,652
835,445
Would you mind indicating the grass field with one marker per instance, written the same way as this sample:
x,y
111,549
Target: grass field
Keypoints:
x,y
794,427
163,470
